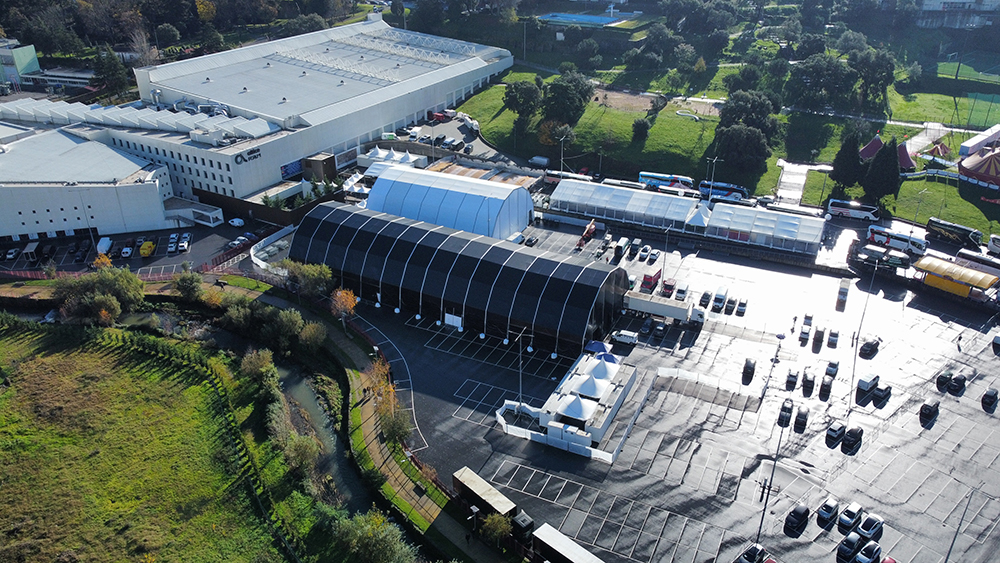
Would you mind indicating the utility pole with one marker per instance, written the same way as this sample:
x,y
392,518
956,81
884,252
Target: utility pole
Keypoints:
x,y
714,160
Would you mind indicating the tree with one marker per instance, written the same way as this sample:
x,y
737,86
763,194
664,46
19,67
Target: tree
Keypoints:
x,y
372,538
877,69
427,15
661,40
146,54
882,178
396,425
716,42
312,336
313,279
78,297
397,8
847,167
524,99
743,148
210,39
188,286
496,527
748,78
102,261
206,10
811,44
640,129
752,109
285,327
258,366
301,453
109,72
852,41
566,98
684,57
818,81
342,303
167,34
303,24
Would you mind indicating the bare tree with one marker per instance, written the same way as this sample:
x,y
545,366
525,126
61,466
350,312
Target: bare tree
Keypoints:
x,y
138,42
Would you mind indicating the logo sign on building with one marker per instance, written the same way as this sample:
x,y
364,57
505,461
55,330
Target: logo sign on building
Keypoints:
x,y
252,154
291,169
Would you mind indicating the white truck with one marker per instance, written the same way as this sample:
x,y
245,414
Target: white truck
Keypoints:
x,y
683,315
103,246
845,287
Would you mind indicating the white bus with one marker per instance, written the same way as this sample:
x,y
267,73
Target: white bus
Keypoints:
x,y
722,191
655,179
892,239
852,210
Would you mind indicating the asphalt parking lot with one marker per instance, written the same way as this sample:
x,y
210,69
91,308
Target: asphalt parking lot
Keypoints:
x,y
690,482
207,243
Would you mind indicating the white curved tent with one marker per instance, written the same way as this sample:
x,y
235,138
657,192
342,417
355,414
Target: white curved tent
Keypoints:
x,y
603,201
466,204
763,227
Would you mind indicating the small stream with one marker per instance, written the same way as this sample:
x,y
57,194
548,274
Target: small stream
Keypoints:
x,y
333,459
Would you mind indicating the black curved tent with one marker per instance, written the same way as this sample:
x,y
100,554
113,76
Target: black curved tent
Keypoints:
x,y
494,286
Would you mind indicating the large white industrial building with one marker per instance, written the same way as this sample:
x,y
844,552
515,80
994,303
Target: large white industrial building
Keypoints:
x,y
56,184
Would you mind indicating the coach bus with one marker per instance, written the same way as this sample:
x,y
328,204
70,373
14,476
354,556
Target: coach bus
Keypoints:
x,y
981,259
852,210
623,184
722,191
954,233
658,180
899,241
553,176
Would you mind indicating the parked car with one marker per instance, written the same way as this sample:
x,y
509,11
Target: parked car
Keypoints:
x,y
127,252
870,553
706,298
439,139
669,285
929,410
828,510
171,248
943,380
785,414
804,332
741,307
730,305
849,546
186,237
833,338
989,398
792,379
13,253
882,392
802,417
682,292
531,241
871,525
448,143
468,148
79,256
851,515
644,252
869,349
174,237
457,145
832,368
753,554
749,368
182,246
807,382
403,132
424,139
660,331
957,384
654,256
852,438
72,248
647,326
807,320
85,245
826,386
797,518
836,431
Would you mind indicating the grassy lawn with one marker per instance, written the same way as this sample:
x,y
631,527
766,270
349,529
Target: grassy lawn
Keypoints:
x,y
246,283
922,199
113,456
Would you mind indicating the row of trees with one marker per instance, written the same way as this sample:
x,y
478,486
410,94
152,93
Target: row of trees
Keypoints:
x,y
878,175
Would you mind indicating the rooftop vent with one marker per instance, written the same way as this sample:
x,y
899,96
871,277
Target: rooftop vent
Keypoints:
x,y
303,73
283,100
244,88
207,79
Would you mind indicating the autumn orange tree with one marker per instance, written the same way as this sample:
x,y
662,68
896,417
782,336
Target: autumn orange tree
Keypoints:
x,y
102,261
342,303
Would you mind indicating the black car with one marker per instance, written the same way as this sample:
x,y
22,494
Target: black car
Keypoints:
x,y
869,348
749,368
730,305
944,380
785,414
72,248
647,326
956,384
850,546
439,139
929,410
797,518
882,392
85,245
706,298
532,241
660,331
79,256
468,148
808,381
826,386
802,417
402,132
990,398
853,437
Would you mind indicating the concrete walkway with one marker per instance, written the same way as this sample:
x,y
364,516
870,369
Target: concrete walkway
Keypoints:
x,y
354,350
793,180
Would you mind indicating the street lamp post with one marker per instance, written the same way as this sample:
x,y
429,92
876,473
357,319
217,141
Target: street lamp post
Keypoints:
x,y
822,192
714,160
919,202
857,340
770,484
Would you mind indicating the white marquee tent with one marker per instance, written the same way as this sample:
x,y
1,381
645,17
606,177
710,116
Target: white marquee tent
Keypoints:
x,y
763,227
602,201
466,204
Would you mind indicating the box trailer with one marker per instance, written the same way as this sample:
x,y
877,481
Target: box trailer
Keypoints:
x,y
30,252
477,492
683,314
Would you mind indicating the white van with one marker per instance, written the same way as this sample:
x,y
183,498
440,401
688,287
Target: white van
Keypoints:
x,y
539,161
867,383
625,337
720,298
516,238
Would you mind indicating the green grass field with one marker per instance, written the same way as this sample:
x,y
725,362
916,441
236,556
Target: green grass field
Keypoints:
x,y
114,456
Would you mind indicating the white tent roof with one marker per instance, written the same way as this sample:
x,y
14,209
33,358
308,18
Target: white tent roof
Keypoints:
x,y
699,216
588,385
766,222
600,369
573,406
623,204
466,204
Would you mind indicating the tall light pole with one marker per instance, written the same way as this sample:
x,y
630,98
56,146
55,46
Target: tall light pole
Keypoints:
x,y
770,484
919,202
857,341
714,160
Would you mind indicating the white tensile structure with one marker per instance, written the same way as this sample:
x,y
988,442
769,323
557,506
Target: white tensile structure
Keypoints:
x,y
764,228
466,204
